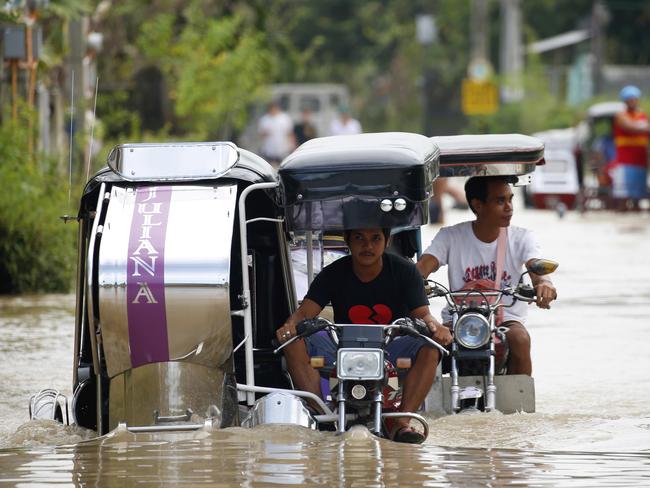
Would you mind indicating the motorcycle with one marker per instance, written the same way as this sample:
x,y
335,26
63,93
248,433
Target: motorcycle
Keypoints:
x,y
479,350
363,384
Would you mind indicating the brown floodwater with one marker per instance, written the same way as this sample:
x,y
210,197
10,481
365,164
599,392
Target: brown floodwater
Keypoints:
x,y
591,358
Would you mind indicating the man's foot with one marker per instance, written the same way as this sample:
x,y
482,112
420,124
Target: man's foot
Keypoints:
x,y
408,435
403,432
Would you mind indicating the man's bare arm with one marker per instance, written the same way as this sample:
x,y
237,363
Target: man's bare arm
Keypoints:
x,y
427,264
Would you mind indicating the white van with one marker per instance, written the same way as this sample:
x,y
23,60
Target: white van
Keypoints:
x,y
323,99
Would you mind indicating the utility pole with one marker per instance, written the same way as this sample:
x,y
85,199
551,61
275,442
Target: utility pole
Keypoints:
x,y
426,33
74,63
511,60
479,40
599,19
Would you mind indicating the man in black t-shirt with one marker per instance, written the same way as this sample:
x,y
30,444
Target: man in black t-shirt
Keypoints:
x,y
369,287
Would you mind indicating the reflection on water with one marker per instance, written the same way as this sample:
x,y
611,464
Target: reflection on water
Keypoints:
x,y
590,356
293,456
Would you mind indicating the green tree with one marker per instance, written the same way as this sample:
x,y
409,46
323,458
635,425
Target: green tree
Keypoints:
x,y
36,247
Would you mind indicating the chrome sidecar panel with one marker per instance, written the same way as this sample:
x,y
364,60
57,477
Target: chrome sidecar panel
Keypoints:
x,y
167,393
163,275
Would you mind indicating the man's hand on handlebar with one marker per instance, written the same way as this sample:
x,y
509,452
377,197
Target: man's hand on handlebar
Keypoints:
x,y
308,309
439,332
286,332
545,292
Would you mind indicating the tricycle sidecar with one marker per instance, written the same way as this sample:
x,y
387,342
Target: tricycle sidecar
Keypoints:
x,y
160,308
184,271
485,155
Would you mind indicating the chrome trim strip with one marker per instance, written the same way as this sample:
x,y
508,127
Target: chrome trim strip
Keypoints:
x,y
89,275
166,428
79,301
310,257
264,219
103,195
285,262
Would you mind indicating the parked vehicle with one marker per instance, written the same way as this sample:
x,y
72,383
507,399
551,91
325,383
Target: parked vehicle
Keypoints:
x,y
556,184
479,351
599,154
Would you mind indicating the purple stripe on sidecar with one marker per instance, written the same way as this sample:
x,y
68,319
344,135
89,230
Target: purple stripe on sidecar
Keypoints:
x,y
146,277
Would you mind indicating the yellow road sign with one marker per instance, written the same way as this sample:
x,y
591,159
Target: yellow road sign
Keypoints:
x,y
479,97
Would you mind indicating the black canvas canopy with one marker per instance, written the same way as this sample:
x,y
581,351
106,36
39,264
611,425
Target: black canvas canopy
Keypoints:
x,y
338,182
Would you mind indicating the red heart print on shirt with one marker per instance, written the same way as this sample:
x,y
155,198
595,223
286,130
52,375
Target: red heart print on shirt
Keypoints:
x,y
378,314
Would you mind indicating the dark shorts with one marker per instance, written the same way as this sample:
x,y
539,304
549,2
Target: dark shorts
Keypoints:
x,y
321,344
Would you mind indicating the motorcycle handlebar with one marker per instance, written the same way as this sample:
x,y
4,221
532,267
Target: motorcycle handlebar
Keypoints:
x,y
307,327
417,328
522,292
414,328
526,291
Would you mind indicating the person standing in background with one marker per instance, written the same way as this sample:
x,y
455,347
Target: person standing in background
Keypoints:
x,y
276,130
345,124
631,135
305,129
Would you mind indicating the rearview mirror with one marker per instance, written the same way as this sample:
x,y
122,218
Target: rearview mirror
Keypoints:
x,y
542,266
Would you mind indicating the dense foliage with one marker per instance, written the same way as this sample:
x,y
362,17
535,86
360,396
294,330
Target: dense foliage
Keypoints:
x,y
37,250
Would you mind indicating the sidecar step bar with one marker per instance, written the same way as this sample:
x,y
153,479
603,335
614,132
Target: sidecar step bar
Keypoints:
x,y
122,426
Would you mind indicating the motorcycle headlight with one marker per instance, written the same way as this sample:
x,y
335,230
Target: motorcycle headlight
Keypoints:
x,y
360,364
472,330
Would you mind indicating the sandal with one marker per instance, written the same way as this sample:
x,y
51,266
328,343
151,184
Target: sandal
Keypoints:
x,y
409,435
403,433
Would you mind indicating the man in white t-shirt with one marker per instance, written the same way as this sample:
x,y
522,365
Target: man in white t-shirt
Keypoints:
x,y
276,129
345,125
469,249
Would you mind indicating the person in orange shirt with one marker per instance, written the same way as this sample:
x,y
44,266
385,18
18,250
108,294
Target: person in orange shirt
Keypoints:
x,y
631,136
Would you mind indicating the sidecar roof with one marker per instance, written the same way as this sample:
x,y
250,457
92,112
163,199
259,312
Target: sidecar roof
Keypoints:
x,y
192,161
375,164
489,154
605,109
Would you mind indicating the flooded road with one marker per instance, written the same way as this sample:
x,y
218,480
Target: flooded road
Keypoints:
x,y
591,357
